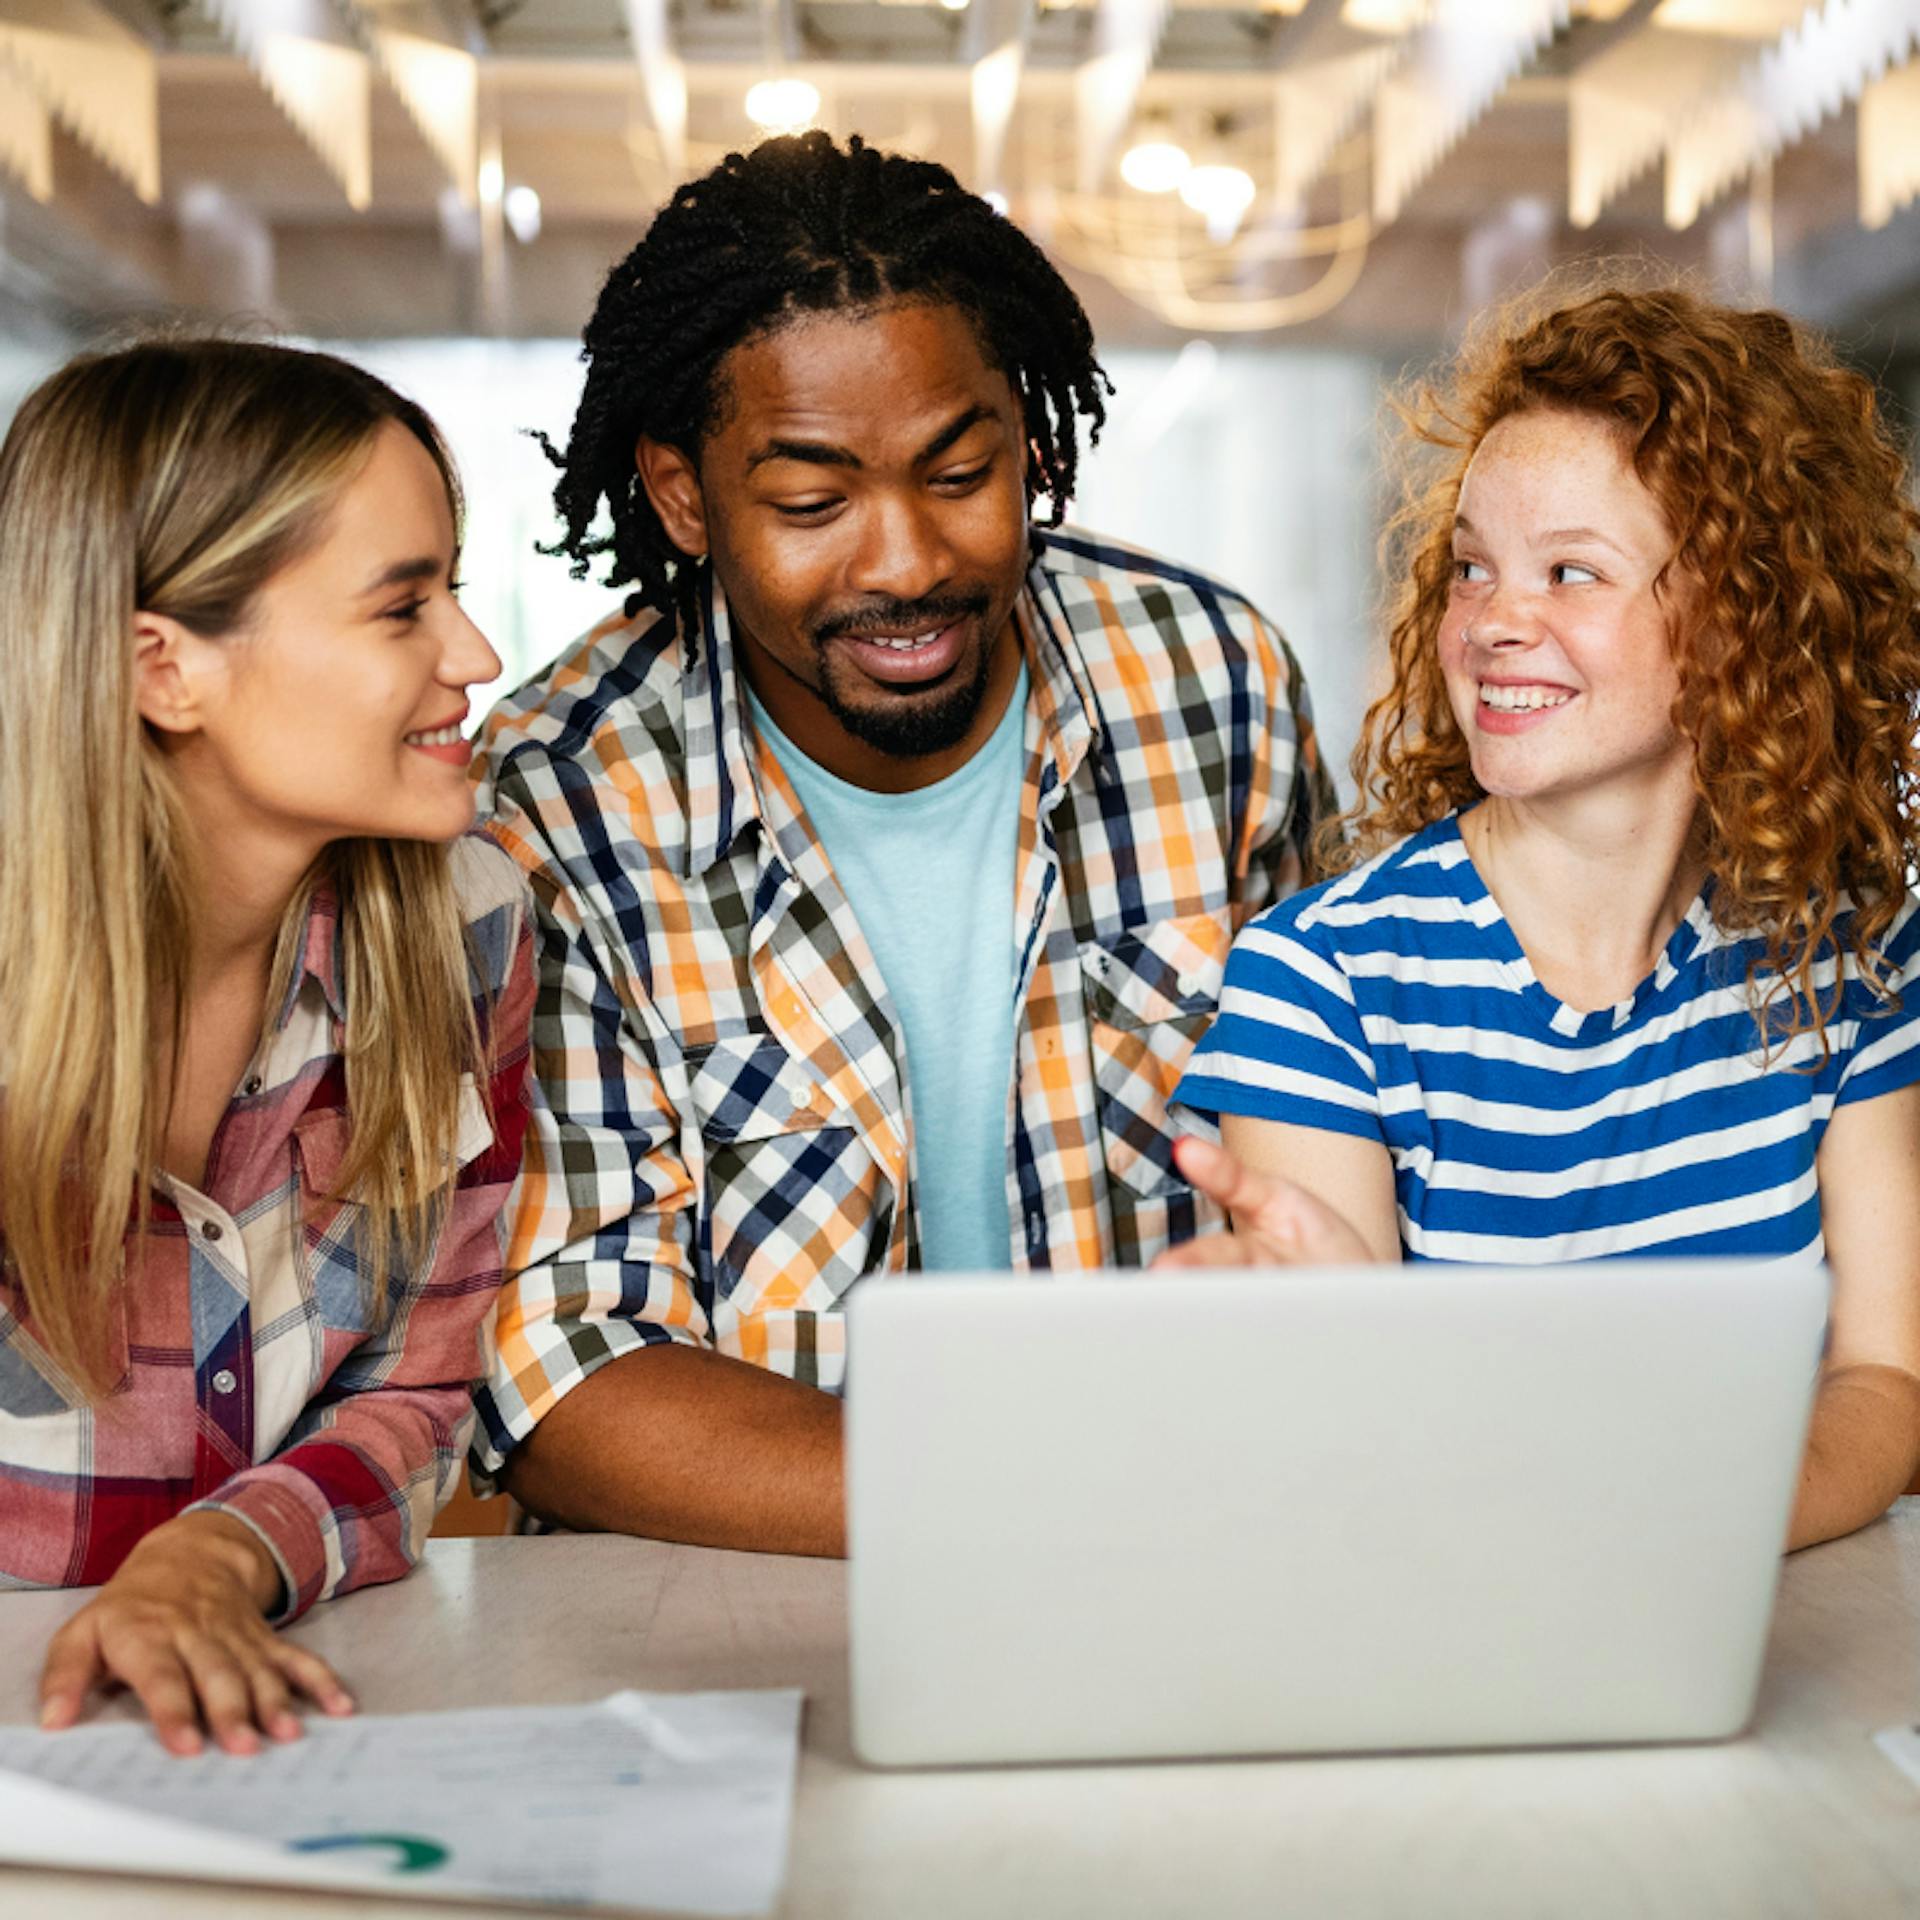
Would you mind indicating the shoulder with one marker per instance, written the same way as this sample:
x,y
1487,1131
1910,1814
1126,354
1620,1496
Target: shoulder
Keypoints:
x,y
615,698
1899,946
1413,880
494,903
1072,554
1117,596
1883,993
621,678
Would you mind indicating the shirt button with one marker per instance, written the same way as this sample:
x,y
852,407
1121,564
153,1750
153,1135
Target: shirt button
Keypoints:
x,y
210,1229
225,1380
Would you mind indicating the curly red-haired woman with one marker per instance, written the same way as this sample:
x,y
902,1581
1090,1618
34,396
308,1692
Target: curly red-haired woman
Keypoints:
x,y
1619,956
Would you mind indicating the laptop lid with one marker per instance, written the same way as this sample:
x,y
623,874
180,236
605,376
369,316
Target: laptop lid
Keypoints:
x,y
1117,1516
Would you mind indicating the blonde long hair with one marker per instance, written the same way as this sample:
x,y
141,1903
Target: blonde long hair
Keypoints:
x,y
176,477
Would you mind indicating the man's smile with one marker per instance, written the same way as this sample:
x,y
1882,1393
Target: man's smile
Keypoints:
x,y
906,659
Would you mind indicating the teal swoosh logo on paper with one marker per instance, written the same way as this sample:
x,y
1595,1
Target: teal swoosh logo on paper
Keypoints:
x,y
411,1853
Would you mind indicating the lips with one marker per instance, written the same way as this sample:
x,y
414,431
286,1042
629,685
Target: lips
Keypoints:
x,y
1518,706
443,743
905,659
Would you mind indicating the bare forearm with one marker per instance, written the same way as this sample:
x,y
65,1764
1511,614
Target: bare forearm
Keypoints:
x,y
677,1443
1862,1449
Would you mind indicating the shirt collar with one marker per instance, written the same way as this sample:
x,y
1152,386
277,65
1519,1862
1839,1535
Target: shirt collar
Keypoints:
x,y
723,791
722,794
320,958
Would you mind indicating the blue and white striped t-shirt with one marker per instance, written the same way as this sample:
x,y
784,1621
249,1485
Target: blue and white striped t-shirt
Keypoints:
x,y
1395,1003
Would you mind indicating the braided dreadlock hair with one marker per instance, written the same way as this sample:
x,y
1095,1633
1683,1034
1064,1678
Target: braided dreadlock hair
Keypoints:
x,y
800,225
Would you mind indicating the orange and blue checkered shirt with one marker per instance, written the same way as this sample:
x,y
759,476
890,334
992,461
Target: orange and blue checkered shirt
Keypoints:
x,y
252,1376
722,1136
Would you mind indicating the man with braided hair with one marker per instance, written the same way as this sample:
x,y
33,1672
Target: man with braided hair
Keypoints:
x,y
887,845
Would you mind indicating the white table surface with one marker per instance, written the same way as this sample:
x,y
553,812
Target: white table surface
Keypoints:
x,y
1803,1817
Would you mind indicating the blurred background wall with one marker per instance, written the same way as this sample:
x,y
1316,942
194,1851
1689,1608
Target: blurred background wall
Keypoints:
x,y
1270,207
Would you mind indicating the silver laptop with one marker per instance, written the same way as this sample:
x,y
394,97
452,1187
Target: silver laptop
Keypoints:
x,y
1122,1516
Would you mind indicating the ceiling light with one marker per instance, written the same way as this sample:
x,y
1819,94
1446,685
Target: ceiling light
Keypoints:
x,y
782,106
1154,166
954,6
522,209
491,179
1221,195
1384,16
996,200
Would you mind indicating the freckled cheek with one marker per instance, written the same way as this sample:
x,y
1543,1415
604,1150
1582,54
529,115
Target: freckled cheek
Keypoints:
x,y
1451,645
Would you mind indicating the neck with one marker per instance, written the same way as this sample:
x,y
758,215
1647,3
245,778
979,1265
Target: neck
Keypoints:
x,y
1593,886
244,877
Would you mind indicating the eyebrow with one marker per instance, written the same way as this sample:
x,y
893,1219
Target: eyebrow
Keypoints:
x,y
820,453
1554,537
403,572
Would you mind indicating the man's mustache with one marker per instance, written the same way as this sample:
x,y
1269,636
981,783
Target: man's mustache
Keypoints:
x,y
902,616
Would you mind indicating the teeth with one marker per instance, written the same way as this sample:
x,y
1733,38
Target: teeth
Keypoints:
x,y
1521,699
906,644
439,737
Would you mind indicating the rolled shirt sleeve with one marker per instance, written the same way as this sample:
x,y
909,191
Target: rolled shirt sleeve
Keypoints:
x,y
599,1261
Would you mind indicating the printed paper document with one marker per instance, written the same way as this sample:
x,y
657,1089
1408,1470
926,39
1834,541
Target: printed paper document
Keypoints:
x,y
675,1801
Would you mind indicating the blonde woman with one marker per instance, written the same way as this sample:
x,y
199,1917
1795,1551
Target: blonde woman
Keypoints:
x,y
262,1065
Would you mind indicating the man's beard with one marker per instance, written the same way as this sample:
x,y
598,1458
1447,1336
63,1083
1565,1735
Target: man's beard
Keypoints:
x,y
912,724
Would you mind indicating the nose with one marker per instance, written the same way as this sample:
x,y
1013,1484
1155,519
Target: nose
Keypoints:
x,y
466,658
902,551
1506,618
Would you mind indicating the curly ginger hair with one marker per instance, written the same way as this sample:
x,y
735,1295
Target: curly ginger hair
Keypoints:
x,y
1796,596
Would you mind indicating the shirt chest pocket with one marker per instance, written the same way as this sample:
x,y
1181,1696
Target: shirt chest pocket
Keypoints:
x,y
333,1250
1151,992
794,1204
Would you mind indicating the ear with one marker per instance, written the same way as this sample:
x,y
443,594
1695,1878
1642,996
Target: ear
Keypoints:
x,y
166,673
672,482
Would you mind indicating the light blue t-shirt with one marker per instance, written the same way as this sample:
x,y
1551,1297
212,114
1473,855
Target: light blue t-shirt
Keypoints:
x,y
930,876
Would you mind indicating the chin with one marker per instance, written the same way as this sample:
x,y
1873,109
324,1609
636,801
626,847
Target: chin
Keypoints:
x,y
1511,782
440,827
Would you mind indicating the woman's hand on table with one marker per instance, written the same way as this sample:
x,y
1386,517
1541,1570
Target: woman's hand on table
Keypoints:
x,y
183,1625
1276,1222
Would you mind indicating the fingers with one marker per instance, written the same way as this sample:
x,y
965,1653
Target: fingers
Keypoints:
x,y
1275,1221
244,1687
313,1677
180,1624
1213,1250
237,1683
1217,1174
1305,1230
273,1710
160,1681
223,1678
73,1669
1271,1217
